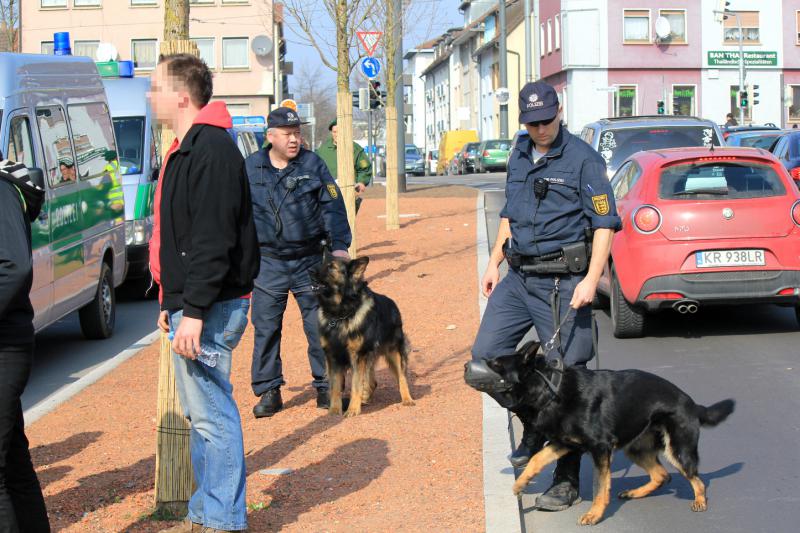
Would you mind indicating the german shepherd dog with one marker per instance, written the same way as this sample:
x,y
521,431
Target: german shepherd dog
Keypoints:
x,y
357,326
600,411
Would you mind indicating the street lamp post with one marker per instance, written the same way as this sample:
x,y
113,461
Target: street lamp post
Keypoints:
x,y
503,69
725,14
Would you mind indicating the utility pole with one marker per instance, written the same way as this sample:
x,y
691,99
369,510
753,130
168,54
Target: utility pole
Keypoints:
x,y
399,96
528,52
537,40
741,67
277,20
503,70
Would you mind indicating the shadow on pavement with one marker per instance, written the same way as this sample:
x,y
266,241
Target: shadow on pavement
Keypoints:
x,y
49,454
405,266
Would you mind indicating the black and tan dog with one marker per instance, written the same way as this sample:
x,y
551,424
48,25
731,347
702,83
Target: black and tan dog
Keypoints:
x,y
600,411
357,326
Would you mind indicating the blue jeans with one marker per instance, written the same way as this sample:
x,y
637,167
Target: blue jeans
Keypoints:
x,y
206,395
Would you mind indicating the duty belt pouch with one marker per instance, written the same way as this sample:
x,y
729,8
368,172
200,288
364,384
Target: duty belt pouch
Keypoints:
x,y
575,257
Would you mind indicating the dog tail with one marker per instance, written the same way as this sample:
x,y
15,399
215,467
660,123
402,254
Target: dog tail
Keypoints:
x,y
715,414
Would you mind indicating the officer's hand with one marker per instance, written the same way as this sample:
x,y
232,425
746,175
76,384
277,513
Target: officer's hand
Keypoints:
x,y
342,254
163,321
187,339
583,294
490,279
360,187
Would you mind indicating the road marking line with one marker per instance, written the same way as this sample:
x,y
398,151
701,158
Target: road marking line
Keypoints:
x,y
66,392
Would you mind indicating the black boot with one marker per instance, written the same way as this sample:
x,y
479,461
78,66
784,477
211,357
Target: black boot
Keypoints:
x,y
564,492
530,444
323,398
269,404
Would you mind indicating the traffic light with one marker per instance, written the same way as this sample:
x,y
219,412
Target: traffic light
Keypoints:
x,y
752,94
375,94
743,101
722,6
660,107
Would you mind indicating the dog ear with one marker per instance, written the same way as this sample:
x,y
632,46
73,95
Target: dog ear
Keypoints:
x,y
529,351
357,267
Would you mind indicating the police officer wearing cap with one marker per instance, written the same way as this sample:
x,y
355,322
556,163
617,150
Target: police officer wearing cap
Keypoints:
x,y
363,169
555,233
298,211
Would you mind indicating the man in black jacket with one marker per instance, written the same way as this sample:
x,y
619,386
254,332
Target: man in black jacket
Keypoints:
x,y
21,503
204,255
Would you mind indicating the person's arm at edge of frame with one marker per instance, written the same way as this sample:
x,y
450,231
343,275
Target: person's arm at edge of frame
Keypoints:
x,y
15,261
334,214
492,275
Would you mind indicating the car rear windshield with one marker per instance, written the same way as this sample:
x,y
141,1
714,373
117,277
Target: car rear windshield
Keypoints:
x,y
413,150
472,148
498,145
719,181
617,145
759,141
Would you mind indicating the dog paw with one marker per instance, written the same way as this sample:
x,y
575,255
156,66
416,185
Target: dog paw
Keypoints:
x,y
698,507
625,495
590,519
334,410
409,402
350,413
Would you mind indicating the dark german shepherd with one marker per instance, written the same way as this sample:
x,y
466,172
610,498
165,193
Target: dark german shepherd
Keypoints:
x,y
599,411
357,326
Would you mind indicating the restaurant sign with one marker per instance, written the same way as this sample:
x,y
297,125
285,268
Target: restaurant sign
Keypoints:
x,y
725,58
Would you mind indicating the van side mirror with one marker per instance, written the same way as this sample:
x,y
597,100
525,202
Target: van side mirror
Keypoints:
x,y
36,176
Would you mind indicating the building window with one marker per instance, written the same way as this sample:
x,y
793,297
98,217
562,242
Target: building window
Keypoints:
x,y
144,2
235,1
205,45
558,32
677,24
238,110
47,48
85,48
797,26
86,3
542,36
683,98
54,3
549,36
735,104
750,29
201,2
144,53
636,26
794,108
625,101
235,52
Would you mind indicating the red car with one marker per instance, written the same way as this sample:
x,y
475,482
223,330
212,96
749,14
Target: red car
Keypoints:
x,y
702,227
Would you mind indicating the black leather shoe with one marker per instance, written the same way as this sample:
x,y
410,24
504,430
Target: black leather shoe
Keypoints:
x,y
323,398
528,446
561,495
269,404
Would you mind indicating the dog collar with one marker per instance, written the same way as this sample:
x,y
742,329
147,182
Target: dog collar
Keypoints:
x,y
333,322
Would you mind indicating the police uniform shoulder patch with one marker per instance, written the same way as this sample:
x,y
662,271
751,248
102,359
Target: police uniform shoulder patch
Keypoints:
x,y
332,191
600,203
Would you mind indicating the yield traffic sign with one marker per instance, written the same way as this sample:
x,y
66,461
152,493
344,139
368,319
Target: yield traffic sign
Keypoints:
x,y
369,40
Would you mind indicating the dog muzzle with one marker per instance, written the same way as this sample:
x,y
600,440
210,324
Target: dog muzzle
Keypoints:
x,y
482,378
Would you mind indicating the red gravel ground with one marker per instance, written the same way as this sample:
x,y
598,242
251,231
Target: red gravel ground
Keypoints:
x,y
393,468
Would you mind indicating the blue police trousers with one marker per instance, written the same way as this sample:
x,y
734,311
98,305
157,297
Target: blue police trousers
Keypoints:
x,y
275,280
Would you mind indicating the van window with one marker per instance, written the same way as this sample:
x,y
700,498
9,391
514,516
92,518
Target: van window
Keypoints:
x,y
93,137
20,144
130,139
59,163
155,147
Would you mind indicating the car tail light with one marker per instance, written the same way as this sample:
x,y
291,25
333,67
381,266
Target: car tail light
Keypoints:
x,y
647,219
795,173
791,291
796,212
664,296
485,153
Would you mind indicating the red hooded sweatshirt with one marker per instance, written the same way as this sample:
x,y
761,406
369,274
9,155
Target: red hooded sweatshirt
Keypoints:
x,y
213,114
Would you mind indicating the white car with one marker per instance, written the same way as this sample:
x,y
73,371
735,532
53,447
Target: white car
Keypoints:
x,y
431,160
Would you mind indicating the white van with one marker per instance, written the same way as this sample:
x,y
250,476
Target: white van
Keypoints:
x,y
55,120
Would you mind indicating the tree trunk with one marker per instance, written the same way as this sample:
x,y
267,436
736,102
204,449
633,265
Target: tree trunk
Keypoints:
x,y
345,166
176,20
392,146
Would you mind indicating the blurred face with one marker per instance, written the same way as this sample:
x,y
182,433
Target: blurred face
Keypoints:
x,y
285,141
168,98
544,133
333,133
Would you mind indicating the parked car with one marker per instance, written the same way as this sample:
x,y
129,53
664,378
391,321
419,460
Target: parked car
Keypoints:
x,y
450,144
787,149
730,130
467,158
493,155
757,138
701,227
618,138
432,160
415,163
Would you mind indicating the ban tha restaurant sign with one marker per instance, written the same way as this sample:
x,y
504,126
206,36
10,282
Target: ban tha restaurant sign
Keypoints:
x,y
725,58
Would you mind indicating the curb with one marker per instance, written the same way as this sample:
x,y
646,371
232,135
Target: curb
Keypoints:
x,y
66,392
501,508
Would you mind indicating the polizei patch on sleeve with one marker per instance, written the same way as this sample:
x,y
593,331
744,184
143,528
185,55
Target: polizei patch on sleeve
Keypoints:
x,y
332,191
600,203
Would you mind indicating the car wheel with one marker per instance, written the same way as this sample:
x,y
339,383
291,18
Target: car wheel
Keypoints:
x,y
628,321
97,318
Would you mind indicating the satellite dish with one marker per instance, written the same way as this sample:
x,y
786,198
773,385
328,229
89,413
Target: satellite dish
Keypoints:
x,y
106,52
663,29
261,46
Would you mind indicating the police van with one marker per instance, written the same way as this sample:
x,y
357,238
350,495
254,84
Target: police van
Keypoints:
x,y
139,164
54,119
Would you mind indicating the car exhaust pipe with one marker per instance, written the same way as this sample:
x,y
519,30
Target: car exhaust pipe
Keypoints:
x,y
682,308
691,308
685,306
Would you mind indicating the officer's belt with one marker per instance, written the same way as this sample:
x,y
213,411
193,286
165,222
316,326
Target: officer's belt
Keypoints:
x,y
310,247
552,263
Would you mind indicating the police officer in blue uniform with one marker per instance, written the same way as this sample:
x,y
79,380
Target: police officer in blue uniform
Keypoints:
x,y
298,211
555,233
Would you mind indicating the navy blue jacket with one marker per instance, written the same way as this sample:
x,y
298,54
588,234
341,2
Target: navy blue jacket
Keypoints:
x,y
306,198
579,195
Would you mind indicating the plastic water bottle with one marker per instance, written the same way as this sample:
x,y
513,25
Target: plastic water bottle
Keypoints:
x,y
208,355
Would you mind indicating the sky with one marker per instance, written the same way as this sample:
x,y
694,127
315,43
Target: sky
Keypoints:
x,y
446,16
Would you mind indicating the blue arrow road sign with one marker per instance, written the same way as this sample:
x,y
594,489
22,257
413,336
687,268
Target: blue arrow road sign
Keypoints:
x,y
370,67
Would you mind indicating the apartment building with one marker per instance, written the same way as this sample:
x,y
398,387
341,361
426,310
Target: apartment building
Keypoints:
x,y
609,58
222,29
